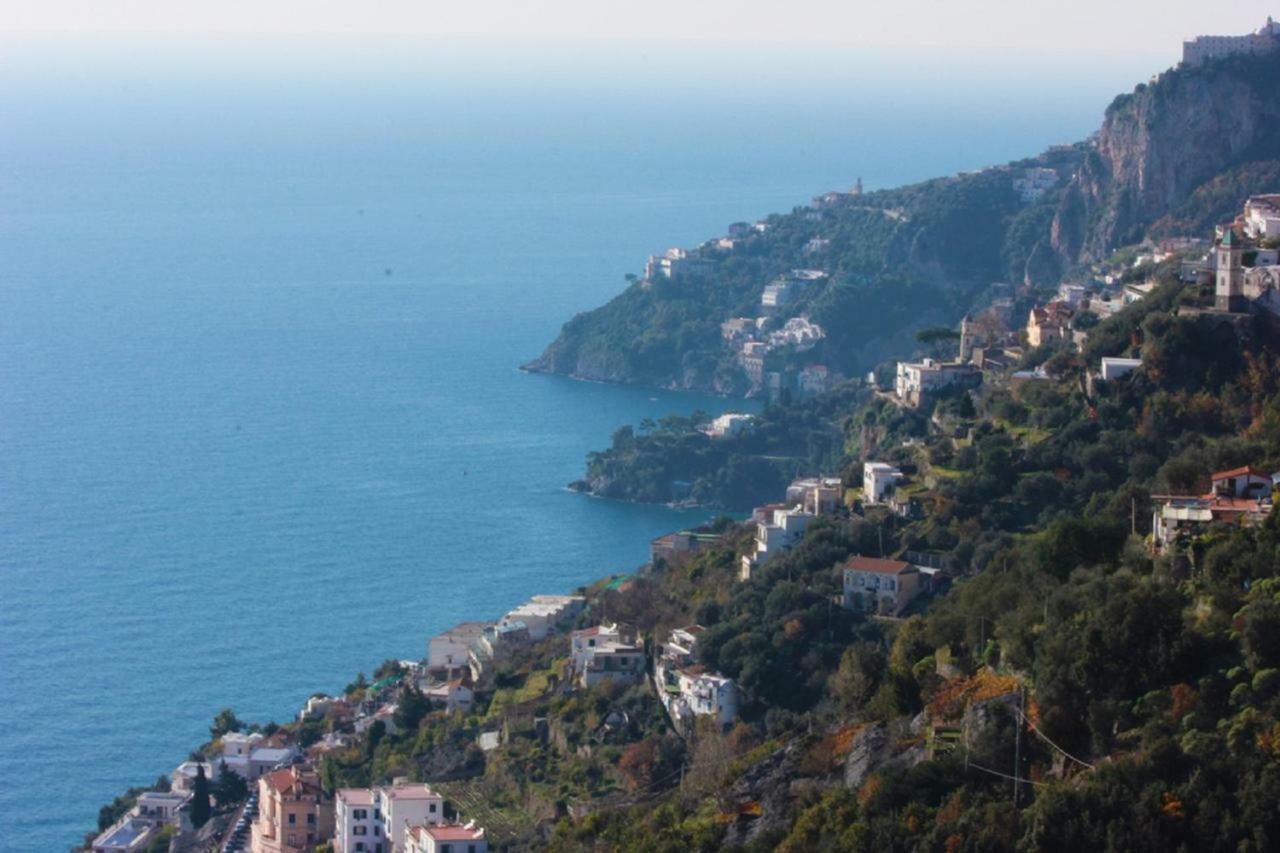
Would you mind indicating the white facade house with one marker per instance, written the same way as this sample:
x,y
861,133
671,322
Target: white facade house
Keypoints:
x,y
778,532
449,649
183,776
729,425
452,695
1035,182
543,614
1262,217
603,653
879,479
916,379
687,689
152,811
355,827
776,295
1114,368
817,495
447,838
369,820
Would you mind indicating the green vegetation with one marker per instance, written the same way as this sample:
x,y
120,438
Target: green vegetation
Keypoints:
x,y
898,259
670,460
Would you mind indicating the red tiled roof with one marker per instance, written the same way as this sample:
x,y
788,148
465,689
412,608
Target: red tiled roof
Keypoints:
x,y
1237,472
883,567
454,832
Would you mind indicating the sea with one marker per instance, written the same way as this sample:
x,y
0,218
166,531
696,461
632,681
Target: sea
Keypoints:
x,y
261,419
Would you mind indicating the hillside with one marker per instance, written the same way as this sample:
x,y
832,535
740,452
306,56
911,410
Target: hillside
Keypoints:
x,y
1069,690
1168,160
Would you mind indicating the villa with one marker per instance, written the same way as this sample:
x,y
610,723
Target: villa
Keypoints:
x,y
779,531
686,688
879,586
449,650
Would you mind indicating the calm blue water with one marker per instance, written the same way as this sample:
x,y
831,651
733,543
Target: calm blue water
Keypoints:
x,y
261,425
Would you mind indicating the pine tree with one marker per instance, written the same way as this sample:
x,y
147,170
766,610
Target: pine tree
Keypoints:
x,y
200,808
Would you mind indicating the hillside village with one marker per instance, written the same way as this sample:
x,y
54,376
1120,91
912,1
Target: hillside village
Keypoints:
x,y
1027,601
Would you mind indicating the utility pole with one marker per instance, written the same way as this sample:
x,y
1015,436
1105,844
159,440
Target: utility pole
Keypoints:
x,y
1017,746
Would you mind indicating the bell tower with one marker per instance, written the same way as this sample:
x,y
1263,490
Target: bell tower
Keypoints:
x,y
1229,288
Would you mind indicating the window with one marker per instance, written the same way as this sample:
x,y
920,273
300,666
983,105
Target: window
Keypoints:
x,y
359,847
293,819
360,830
471,848
446,848
311,819
432,808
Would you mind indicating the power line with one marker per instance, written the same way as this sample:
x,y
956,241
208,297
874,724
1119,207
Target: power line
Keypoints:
x,y
1045,738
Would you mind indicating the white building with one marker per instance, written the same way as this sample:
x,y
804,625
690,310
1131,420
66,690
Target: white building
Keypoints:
x,y
1114,368
543,614
916,379
779,532
1262,217
378,819
183,777
452,695
673,263
688,690
1204,48
136,830
776,295
1035,182
449,649
447,838
317,706
729,425
817,495
879,479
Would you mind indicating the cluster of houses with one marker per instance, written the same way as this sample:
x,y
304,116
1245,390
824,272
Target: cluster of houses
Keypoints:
x,y
780,526
686,688
762,344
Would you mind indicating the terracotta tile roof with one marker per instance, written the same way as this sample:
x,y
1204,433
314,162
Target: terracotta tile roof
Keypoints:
x,y
1239,472
292,780
356,796
454,832
883,567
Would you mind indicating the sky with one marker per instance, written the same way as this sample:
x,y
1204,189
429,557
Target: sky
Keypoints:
x,y
1120,29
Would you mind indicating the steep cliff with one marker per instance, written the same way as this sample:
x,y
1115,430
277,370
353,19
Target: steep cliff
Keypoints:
x,y
1161,143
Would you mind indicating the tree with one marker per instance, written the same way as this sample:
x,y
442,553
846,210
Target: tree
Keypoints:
x,y
412,708
377,732
200,808
230,787
225,722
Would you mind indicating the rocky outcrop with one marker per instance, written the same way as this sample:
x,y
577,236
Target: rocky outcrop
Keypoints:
x,y
1160,143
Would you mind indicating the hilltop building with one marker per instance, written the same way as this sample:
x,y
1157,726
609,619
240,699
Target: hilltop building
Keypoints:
x,y
1201,49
